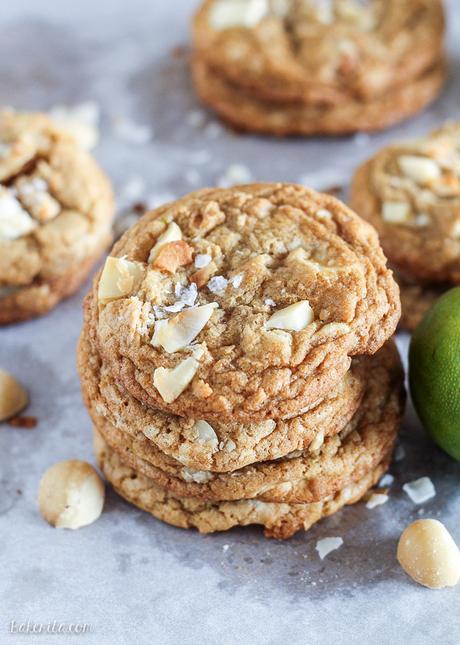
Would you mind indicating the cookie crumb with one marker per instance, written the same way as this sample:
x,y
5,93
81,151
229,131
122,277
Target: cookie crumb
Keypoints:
x,y
28,423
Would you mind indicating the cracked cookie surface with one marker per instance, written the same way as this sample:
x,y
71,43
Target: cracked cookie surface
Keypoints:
x,y
410,192
56,207
280,520
334,458
323,53
222,446
293,285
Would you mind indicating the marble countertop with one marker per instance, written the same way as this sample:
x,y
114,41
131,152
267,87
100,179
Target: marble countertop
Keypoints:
x,y
128,576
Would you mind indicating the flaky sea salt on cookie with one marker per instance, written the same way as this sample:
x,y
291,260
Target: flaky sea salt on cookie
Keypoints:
x,y
210,347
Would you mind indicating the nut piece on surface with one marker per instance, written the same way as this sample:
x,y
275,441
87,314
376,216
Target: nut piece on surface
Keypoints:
x,y
118,278
178,332
71,494
396,212
225,14
421,169
173,255
13,397
172,234
293,318
429,555
170,383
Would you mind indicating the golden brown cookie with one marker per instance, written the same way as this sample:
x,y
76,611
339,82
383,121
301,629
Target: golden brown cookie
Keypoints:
x,y
416,300
324,53
280,520
243,304
330,462
56,207
410,192
222,446
248,112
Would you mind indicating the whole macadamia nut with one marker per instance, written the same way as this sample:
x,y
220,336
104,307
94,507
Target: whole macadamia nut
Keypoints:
x,y
71,494
429,555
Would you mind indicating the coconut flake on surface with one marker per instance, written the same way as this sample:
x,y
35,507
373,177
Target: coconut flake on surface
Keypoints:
x,y
186,295
236,280
420,490
129,131
327,545
376,499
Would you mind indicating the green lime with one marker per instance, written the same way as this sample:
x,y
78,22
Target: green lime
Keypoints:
x,y
434,372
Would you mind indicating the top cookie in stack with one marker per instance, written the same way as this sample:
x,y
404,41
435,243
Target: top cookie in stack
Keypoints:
x,y
216,359
306,67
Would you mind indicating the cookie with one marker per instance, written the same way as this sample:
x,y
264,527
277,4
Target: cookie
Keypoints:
x,y
416,300
247,112
224,446
280,520
319,472
243,304
56,208
410,192
323,53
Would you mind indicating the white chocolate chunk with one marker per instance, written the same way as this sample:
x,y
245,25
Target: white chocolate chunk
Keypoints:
x,y
170,383
421,169
420,490
206,433
172,234
225,14
178,332
71,495
34,195
13,397
196,476
293,318
429,555
14,220
396,212
327,545
119,278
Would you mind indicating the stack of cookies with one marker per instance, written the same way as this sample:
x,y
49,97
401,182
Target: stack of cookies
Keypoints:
x,y
410,192
305,67
235,363
56,210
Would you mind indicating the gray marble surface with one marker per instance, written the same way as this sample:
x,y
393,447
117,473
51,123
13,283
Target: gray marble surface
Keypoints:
x,y
131,578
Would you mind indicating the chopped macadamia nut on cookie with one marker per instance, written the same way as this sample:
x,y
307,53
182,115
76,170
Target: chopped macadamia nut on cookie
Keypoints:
x,y
172,256
172,234
119,278
206,434
34,194
178,332
13,397
225,14
293,318
429,555
170,383
14,220
71,495
422,170
396,212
